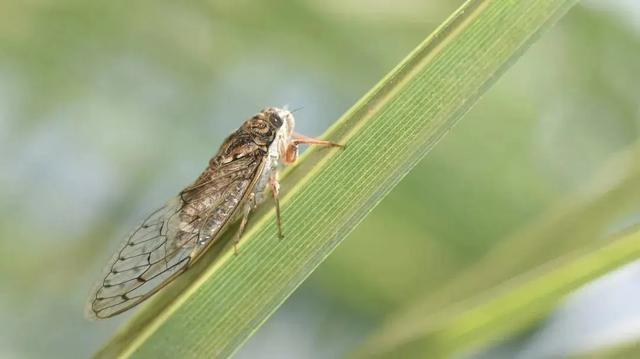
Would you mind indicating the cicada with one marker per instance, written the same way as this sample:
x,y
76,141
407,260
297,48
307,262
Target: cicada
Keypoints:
x,y
174,236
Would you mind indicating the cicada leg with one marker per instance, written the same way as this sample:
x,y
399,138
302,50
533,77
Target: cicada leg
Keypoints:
x,y
290,156
275,191
298,139
246,210
291,151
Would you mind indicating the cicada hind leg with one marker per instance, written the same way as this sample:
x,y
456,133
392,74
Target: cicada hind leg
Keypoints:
x,y
246,211
251,204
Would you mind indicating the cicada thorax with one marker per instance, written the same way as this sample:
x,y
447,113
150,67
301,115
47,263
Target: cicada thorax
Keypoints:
x,y
238,145
212,200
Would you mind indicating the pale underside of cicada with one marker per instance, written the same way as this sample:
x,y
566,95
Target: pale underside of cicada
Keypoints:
x,y
176,235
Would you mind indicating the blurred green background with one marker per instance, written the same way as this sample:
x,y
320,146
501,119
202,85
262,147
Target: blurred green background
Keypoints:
x,y
109,108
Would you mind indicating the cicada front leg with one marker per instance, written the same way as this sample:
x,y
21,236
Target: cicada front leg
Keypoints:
x,y
291,151
289,156
297,139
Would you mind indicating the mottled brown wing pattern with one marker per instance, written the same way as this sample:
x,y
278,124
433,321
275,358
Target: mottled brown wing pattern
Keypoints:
x,y
163,246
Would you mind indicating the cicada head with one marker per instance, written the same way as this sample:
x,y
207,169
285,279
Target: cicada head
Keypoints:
x,y
281,119
269,125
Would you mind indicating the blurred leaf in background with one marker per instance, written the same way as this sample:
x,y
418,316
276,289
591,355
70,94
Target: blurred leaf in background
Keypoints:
x,y
107,108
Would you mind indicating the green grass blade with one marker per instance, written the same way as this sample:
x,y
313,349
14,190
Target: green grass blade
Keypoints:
x,y
501,295
513,307
628,349
212,309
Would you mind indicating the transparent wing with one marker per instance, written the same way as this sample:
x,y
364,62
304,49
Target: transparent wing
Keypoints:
x,y
146,260
163,246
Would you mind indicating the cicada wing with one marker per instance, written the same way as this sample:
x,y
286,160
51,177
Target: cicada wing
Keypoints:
x,y
148,259
164,245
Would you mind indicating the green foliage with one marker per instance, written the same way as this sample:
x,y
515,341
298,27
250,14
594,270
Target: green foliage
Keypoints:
x,y
501,295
